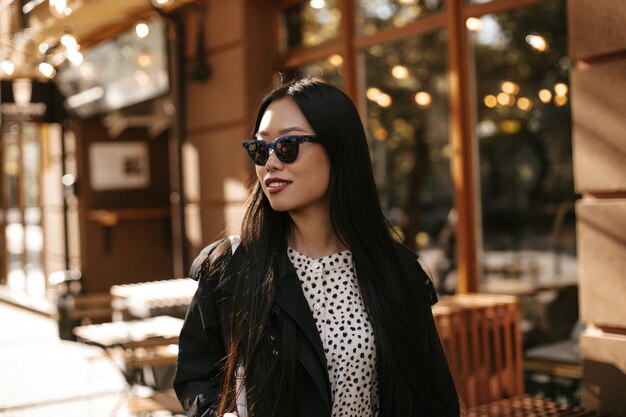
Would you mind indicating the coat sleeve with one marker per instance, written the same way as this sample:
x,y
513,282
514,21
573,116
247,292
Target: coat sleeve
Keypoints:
x,y
441,382
200,348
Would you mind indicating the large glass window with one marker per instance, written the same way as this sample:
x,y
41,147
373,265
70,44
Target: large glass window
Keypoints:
x,y
407,121
525,158
525,151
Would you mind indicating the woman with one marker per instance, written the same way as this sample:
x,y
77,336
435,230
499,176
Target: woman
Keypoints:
x,y
314,310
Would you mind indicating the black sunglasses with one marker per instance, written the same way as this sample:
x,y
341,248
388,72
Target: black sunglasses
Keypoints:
x,y
285,147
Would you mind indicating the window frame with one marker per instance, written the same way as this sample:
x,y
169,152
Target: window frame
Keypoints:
x,y
462,116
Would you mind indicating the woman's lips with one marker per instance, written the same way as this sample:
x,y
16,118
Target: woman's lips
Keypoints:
x,y
276,185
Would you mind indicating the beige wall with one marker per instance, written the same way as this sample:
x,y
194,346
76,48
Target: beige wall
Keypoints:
x,y
598,44
219,114
135,248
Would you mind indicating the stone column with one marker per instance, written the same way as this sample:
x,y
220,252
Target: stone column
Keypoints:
x,y
597,35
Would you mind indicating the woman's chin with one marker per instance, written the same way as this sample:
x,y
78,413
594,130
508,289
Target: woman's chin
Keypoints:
x,y
277,206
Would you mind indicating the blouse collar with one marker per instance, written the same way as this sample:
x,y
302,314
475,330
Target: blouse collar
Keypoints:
x,y
329,262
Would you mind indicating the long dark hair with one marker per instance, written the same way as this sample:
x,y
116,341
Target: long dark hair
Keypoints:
x,y
388,293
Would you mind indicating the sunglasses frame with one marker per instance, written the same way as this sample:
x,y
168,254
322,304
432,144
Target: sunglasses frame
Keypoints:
x,y
298,139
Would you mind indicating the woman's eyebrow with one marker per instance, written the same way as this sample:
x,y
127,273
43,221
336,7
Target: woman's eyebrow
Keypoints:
x,y
283,131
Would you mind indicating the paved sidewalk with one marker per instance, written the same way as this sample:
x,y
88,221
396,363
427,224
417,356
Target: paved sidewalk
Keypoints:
x,y
42,375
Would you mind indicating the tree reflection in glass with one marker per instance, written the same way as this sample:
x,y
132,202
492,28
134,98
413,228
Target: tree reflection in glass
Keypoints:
x,y
524,133
329,70
407,122
310,23
374,15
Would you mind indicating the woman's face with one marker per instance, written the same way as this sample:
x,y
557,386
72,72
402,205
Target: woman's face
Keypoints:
x,y
300,185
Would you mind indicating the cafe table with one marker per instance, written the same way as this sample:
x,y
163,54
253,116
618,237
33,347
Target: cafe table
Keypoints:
x,y
138,347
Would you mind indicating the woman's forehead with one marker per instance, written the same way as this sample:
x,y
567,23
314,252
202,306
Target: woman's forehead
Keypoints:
x,y
283,116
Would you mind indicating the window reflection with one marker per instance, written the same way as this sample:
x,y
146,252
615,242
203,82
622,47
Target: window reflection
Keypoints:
x,y
329,70
14,229
524,132
23,233
33,233
311,23
407,121
374,15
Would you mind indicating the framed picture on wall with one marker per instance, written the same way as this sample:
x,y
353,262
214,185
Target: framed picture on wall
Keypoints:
x,y
119,165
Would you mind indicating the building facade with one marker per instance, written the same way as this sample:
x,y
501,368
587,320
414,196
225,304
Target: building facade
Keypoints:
x,y
466,105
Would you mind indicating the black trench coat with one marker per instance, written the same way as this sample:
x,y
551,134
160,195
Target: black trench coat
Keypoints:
x,y
201,347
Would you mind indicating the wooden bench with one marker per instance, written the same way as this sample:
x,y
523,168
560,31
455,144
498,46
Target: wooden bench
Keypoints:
x,y
482,339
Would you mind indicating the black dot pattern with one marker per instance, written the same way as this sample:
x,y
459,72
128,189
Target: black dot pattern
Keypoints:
x,y
332,291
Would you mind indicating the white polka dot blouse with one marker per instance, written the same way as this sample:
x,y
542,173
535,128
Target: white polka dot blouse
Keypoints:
x,y
333,294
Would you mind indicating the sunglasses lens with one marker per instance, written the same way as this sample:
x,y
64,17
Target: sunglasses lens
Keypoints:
x,y
258,151
287,149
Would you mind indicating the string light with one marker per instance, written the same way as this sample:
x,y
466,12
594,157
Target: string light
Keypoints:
x,y
142,29
524,104
505,99
57,8
400,72
335,60
384,100
423,99
490,101
509,87
474,24
373,93
538,42
69,41
561,89
317,4
47,69
75,57
560,101
162,3
545,95
62,8
7,67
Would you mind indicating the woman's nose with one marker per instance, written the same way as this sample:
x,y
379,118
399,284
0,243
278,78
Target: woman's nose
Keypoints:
x,y
273,163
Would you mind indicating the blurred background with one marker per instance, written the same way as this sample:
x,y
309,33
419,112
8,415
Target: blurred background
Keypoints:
x,y
496,131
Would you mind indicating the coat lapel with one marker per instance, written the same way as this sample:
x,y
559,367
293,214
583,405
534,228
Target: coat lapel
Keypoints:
x,y
290,298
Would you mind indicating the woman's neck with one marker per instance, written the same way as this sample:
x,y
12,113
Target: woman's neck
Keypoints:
x,y
313,236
